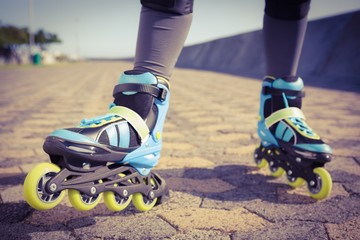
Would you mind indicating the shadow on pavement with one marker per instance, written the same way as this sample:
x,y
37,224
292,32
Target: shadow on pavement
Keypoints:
x,y
235,183
12,180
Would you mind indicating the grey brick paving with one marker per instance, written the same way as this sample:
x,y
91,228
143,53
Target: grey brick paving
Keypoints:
x,y
209,138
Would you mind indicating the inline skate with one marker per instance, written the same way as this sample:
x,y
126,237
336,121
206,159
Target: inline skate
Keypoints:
x,y
110,156
288,145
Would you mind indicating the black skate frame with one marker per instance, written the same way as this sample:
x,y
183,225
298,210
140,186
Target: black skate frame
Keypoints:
x,y
92,174
296,162
89,182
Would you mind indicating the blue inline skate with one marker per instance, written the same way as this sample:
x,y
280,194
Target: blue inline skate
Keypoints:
x,y
110,156
288,145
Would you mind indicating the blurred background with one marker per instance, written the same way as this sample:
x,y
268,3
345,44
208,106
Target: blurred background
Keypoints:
x,y
70,30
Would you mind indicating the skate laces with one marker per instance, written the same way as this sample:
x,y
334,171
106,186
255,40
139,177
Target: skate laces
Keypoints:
x,y
298,122
97,120
302,127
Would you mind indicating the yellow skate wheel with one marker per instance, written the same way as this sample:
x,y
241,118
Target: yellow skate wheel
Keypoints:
x,y
277,171
322,187
295,182
34,187
83,202
141,202
115,202
262,163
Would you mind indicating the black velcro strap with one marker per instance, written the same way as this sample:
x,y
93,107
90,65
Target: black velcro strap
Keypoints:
x,y
140,88
274,91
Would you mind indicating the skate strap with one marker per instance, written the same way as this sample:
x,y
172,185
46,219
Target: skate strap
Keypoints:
x,y
156,92
134,119
283,114
275,91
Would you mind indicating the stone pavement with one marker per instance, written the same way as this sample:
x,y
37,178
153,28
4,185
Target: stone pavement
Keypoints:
x,y
216,192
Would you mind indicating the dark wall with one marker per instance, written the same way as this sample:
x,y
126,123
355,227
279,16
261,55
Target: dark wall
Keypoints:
x,y
331,53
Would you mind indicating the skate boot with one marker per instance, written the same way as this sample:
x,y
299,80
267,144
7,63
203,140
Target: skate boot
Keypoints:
x,y
288,145
110,156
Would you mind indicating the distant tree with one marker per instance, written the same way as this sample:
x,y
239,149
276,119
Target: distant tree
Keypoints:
x,y
11,37
43,39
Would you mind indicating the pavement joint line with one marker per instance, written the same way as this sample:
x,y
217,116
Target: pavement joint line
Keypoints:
x,y
327,231
177,229
260,215
356,160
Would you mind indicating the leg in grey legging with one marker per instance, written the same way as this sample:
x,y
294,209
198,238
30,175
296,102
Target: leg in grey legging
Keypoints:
x,y
160,40
284,28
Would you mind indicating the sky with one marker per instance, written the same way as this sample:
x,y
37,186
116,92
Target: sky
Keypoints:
x,y
108,28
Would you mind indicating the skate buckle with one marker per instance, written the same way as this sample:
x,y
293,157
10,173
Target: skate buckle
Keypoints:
x,y
163,94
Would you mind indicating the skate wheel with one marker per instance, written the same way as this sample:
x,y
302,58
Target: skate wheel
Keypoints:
x,y
34,187
323,185
277,171
295,182
141,202
83,202
115,202
261,163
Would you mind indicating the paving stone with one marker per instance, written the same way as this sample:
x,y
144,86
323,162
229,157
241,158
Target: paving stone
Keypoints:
x,y
170,135
126,227
353,187
291,230
192,114
6,172
18,162
215,219
24,231
335,210
201,235
168,125
242,150
301,195
207,160
13,194
214,128
189,162
179,200
46,234
346,133
344,169
347,151
204,120
14,212
212,185
230,137
347,230
8,155
178,146
64,212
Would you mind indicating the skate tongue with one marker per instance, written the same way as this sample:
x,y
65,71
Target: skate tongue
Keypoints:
x,y
290,78
138,77
289,83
